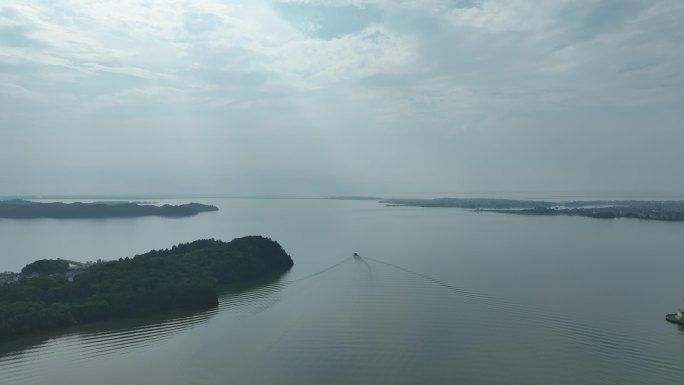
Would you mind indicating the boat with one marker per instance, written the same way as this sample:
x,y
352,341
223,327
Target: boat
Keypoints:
x,y
677,318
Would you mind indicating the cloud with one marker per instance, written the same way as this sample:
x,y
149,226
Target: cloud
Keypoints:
x,y
508,16
414,85
312,63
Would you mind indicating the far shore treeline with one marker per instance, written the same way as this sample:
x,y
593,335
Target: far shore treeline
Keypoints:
x,y
671,210
23,209
188,274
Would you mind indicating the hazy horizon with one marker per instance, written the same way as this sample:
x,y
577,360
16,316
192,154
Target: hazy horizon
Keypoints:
x,y
515,195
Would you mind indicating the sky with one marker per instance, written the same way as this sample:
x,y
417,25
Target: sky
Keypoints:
x,y
306,97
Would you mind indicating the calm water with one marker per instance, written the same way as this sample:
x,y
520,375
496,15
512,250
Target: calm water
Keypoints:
x,y
440,296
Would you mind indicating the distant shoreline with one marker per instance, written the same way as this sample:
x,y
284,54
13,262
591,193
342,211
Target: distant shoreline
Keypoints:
x,y
24,209
603,209
660,210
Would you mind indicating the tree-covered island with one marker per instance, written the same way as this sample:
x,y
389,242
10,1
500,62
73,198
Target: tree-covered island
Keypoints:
x,y
23,209
46,297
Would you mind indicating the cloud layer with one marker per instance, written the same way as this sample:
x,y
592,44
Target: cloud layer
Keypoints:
x,y
315,97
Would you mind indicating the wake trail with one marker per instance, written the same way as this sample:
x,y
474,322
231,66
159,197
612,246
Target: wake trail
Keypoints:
x,y
338,264
578,331
434,280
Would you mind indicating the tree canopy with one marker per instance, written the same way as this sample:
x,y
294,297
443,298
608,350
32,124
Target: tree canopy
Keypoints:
x,y
187,274
46,266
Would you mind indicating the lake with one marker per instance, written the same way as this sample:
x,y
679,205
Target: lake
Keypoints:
x,y
438,296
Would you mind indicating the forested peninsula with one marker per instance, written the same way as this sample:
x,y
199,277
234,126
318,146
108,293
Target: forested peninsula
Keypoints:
x,y
55,294
19,208
605,209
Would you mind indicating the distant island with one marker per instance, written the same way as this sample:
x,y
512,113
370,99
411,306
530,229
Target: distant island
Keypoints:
x,y
23,209
55,294
604,209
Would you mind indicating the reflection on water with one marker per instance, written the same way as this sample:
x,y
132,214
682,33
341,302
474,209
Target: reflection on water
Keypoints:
x,y
436,296
20,358
361,320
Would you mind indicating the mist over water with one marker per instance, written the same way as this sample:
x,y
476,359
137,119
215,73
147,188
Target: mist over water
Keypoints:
x,y
437,296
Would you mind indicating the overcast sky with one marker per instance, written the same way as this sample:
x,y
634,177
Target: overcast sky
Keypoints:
x,y
341,96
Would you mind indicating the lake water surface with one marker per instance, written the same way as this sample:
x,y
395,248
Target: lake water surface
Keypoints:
x,y
439,296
